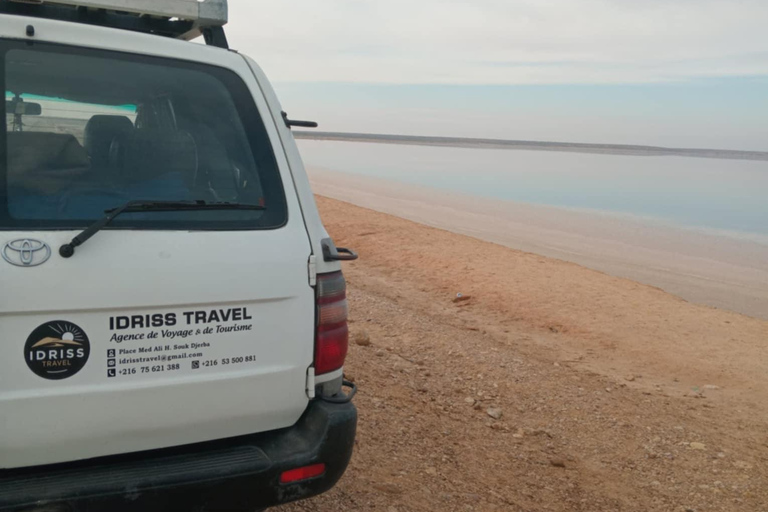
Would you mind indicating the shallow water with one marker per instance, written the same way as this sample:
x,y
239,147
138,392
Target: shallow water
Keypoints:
x,y
729,195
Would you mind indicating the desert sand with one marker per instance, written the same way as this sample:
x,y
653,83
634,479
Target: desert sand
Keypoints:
x,y
703,267
550,387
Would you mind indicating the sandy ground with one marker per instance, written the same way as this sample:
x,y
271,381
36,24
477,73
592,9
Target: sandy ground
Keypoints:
x,y
553,387
702,267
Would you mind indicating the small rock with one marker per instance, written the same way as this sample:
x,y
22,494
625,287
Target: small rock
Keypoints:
x,y
445,496
462,298
363,339
519,434
494,412
608,390
431,471
469,400
742,465
387,488
631,378
710,387
558,463
655,483
697,446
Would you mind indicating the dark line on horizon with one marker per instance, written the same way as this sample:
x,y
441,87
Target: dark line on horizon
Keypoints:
x,y
529,145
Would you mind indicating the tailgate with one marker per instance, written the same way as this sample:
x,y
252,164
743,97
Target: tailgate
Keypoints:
x,y
123,349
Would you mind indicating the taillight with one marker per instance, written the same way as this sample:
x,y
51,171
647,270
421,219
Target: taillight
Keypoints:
x,y
332,337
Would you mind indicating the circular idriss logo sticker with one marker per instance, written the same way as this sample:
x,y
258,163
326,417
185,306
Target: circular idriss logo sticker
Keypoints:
x,y
57,350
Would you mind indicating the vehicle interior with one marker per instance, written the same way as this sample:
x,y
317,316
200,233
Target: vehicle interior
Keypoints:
x,y
102,132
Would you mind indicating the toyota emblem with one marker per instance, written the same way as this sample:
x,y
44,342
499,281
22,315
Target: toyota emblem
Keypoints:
x,y
26,252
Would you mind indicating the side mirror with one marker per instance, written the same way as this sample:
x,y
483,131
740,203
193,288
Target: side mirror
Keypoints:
x,y
23,108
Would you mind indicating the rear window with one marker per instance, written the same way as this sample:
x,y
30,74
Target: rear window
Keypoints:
x,y
87,131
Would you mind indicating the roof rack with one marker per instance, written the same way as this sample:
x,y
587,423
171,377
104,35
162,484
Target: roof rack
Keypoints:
x,y
180,19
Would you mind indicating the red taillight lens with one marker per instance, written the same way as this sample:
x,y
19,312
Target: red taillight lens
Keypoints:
x,y
332,337
299,474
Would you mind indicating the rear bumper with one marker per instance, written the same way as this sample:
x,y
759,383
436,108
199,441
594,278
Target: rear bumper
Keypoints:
x,y
234,474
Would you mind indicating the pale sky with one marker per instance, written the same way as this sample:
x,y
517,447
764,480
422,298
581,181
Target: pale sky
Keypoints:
x,y
628,66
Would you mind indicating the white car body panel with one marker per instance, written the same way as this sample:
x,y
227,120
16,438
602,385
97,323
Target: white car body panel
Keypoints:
x,y
300,179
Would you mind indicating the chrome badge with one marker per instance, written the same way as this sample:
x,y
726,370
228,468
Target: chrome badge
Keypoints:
x,y
26,252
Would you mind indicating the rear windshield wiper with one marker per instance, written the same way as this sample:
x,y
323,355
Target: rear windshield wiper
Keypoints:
x,y
68,250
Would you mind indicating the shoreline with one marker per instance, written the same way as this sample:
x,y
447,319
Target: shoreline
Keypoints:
x,y
722,270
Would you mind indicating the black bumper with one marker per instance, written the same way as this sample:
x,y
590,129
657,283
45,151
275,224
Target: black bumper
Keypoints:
x,y
236,474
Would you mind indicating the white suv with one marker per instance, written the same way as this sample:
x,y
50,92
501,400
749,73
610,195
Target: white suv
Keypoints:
x,y
173,314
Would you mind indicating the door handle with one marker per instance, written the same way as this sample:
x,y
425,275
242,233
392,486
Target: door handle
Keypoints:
x,y
345,254
333,253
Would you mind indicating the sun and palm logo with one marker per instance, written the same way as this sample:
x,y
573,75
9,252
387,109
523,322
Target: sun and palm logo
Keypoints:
x,y
57,350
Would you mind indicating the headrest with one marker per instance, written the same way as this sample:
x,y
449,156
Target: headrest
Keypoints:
x,y
99,134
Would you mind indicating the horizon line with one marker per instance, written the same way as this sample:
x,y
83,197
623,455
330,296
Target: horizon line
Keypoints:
x,y
530,145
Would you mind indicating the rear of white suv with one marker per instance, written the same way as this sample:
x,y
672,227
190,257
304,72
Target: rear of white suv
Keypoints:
x,y
173,314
